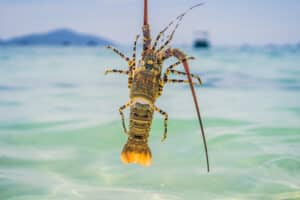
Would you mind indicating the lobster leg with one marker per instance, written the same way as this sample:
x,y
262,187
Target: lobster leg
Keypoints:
x,y
132,63
119,53
178,81
134,53
116,71
122,114
179,62
165,122
169,70
172,71
181,56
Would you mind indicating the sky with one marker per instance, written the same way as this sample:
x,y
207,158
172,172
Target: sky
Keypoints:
x,y
229,22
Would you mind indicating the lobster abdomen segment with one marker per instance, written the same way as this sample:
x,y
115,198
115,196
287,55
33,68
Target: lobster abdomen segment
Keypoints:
x,y
136,149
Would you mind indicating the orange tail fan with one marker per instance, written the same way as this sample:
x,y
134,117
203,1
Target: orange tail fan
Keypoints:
x,y
135,152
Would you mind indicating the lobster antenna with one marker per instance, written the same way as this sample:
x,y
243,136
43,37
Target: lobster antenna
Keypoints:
x,y
146,29
145,12
186,67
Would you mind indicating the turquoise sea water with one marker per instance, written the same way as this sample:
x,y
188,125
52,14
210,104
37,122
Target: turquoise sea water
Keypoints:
x,y
61,134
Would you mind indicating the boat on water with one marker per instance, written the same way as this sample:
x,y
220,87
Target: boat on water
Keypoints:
x,y
202,40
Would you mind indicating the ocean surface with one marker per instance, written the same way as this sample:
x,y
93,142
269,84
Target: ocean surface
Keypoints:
x,y
61,134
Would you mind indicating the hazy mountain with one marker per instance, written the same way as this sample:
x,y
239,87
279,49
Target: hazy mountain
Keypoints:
x,y
63,37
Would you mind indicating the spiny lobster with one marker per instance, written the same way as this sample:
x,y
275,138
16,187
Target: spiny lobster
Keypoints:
x,y
146,82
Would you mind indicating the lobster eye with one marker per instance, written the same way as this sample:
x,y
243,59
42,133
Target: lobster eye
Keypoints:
x,y
149,67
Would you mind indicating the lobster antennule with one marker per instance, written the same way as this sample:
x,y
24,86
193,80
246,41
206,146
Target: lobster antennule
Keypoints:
x,y
179,18
187,70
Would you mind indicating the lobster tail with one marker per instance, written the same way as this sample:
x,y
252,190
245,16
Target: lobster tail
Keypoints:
x,y
136,152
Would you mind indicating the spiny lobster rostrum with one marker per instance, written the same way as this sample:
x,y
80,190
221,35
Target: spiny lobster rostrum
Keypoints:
x,y
145,82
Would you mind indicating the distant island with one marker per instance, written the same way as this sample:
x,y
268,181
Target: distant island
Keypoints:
x,y
59,37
